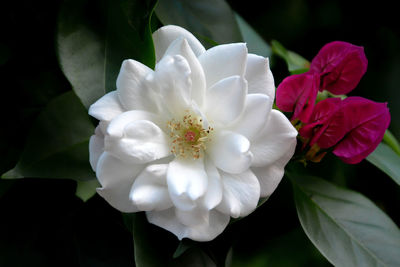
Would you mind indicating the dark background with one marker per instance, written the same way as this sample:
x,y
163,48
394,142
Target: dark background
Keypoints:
x,y
42,223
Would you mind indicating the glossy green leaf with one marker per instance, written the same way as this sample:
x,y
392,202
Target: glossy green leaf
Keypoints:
x,y
57,145
255,43
229,258
194,256
386,160
346,227
128,36
274,252
86,189
211,19
296,63
81,49
391,141
93,39
149,242
183,246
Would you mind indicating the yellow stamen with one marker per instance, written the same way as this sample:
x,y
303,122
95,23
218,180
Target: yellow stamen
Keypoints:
x,y
188,137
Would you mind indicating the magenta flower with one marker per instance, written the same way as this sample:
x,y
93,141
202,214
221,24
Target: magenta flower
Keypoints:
x,y
326,124
337,68
340,65
297,94
352,127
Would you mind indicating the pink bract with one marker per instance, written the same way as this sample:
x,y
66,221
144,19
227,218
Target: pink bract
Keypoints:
x,y
297,94
366,122
353,127
325,127
340,65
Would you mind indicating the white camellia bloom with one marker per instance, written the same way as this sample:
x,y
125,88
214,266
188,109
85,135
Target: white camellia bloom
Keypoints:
x,y
193,142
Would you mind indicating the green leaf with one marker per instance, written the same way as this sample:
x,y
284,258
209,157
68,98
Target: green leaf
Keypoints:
x,y
81,49
151,247
128,36
86,189
391,141
255,43
274,252
57,145
229,258
213,19
95,37
183,246
144,253
387,161
296,63
347,228
194,256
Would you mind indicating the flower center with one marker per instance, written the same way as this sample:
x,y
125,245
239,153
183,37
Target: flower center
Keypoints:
x,y
188,136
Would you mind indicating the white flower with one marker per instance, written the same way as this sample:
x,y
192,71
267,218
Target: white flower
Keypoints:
x,y
193,142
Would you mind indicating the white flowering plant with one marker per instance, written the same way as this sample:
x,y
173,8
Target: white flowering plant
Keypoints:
x,y
191,144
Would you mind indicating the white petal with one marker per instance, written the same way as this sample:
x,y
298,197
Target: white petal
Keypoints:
x,y
187,181
193,217
197,111
117,126
149,191
274,140
103,127
142,142
259,76
201,232
270,175
223,61
181,47
164,36
241,193
116,179
230,151
254,117
132,88
107,107
96,147
213,194
225,99
172,81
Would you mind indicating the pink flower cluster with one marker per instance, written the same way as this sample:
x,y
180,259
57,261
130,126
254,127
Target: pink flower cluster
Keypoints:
x,y
352,127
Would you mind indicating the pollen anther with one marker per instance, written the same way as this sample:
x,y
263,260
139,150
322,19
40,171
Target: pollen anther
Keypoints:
x,y
188,136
